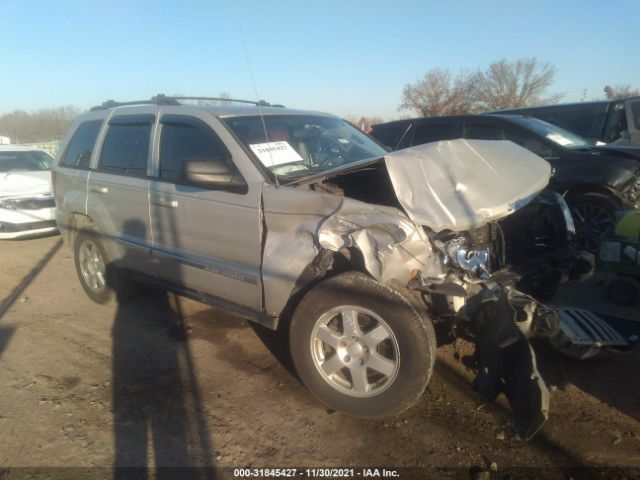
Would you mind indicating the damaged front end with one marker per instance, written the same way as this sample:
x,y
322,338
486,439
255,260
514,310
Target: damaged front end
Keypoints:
x,y
437,221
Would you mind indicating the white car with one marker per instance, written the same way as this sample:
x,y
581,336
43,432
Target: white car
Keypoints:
x,y
27,207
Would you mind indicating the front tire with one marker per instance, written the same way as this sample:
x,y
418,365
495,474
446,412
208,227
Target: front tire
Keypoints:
x,y
594,215
361,347
100,279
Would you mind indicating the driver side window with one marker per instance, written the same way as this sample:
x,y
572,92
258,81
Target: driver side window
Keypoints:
x,y
529,142
182,141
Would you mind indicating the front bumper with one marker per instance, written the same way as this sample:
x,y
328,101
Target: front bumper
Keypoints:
x,y
21,223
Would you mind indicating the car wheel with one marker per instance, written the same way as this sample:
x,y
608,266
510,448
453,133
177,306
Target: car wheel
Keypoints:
x,y
593,215
361,347
100,280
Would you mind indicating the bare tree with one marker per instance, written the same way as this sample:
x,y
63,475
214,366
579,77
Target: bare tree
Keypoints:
x,y
438,94
620,91
519,83
504,84
365,123
40,126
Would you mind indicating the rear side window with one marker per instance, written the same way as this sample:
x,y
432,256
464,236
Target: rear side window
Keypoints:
x,y
78,153
635,112
617,124
388,135
184,140
483,132
126,149
586,119
434,133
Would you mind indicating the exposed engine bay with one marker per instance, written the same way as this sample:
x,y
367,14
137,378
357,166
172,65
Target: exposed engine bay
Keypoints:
x,y
534,243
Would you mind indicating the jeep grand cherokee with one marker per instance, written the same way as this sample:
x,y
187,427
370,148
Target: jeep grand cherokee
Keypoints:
x,y
297,218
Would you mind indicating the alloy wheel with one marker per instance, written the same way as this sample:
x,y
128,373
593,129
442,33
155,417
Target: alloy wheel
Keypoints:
x,y
592,221
92,266
355,351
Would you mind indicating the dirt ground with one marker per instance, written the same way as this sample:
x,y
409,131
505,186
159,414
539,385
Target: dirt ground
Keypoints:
x,y
164,381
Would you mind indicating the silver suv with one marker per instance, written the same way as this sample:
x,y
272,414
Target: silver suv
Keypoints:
x,y
298,219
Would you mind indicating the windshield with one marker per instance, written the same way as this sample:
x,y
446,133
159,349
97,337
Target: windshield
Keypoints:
x,y
24,161
558,135
300,145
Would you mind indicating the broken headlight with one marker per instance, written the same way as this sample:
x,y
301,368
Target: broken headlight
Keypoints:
x,y
459,253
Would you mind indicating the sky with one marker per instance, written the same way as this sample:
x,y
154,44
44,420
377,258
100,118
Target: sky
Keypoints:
x,y
346,57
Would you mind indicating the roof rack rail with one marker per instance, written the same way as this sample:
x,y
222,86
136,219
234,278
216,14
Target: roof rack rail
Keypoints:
x,y
260,103
162,99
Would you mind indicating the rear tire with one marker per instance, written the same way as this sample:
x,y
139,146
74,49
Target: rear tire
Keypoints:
x,y
361,347
593,215
100,279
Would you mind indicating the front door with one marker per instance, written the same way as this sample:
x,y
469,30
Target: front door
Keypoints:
x,y
207,239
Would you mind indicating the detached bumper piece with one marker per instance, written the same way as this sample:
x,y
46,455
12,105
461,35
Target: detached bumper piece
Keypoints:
x,y
584,334
506,361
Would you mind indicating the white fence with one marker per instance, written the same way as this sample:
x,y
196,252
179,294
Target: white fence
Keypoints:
x,y
50,147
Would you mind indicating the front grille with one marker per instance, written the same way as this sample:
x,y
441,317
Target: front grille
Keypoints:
x,y
34,203
484,237
23,227
535,229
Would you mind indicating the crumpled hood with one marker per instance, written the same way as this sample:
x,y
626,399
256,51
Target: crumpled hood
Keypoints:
x,y
25,183
463,184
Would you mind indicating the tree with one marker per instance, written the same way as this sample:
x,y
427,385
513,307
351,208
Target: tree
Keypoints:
x,y
520,83
40,126
365,123
503,84
620,91
437,94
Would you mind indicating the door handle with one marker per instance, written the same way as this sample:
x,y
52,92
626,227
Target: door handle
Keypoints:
x,y
164,202
97,189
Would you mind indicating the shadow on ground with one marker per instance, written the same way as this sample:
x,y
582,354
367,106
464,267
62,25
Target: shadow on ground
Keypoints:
x,y
157,406
612,379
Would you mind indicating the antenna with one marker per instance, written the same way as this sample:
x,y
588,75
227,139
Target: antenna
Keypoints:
x,y
258,102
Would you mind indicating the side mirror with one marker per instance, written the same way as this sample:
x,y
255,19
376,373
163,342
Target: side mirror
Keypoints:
x,y
210,172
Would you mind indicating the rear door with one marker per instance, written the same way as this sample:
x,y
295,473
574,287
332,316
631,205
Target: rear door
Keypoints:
x,y
207,239
119,187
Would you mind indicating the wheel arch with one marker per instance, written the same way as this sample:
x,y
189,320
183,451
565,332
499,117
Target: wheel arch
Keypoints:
x,y
79,222
573,193
326,264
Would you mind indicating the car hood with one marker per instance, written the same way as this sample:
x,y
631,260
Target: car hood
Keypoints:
x,y
463,184
25,183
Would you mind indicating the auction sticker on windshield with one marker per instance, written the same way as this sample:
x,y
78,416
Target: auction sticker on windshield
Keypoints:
x,y
272,154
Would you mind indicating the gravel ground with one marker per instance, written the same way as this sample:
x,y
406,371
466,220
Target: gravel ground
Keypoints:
x,y
166,382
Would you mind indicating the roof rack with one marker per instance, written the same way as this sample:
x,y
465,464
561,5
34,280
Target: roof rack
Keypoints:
x,y
162,99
